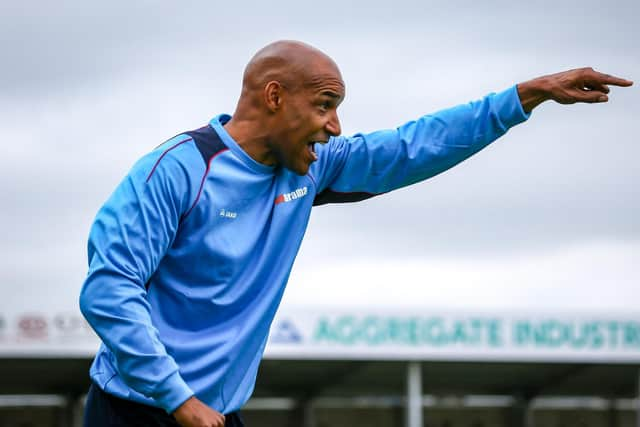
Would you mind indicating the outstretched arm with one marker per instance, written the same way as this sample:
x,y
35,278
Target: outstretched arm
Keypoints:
x,y
362,166
568,87
355,168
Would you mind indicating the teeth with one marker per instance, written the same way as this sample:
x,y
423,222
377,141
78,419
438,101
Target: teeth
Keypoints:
x,y
312,150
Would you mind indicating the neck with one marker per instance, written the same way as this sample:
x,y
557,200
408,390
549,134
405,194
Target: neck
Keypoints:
x,y
250,136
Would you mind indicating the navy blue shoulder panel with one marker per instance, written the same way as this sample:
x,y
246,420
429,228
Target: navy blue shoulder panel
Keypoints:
x,y
330,196
208,141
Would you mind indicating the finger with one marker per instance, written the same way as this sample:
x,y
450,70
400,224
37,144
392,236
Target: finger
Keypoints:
x,y
608,79
590,96
596,86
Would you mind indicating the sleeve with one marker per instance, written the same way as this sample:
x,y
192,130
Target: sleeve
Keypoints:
x,y
364,165
129,237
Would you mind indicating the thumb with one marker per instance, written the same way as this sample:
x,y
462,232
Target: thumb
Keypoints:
x,y
592,96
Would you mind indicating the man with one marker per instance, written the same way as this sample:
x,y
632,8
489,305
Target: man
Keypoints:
x,y
189,257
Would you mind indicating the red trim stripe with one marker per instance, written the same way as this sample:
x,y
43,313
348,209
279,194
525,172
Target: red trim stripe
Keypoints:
x,y
164,154
206,172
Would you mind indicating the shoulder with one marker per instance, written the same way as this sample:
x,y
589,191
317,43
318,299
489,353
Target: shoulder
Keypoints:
x,y
176,167
188,153
176,154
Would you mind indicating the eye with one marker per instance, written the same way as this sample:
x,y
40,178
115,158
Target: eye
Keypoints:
x,y
325,105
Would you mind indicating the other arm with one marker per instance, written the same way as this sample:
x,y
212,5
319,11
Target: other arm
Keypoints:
x,y
129,237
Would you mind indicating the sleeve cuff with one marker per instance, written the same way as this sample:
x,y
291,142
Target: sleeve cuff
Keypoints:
x,y
173,392
510,108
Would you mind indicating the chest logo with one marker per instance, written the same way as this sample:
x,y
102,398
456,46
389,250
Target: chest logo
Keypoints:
x,y
228,214
289,197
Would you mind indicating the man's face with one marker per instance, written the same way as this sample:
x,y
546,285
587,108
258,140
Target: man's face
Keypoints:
x,y
308,116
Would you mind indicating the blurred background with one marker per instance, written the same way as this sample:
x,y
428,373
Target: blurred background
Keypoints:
x,y
513,278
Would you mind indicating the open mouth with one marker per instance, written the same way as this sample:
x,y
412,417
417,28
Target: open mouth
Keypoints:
x,y
312,150
311,146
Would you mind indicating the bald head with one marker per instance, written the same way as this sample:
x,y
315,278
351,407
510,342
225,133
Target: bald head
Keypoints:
x,y
293,64
289,100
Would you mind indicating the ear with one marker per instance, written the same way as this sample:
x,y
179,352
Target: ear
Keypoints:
x,y
273,95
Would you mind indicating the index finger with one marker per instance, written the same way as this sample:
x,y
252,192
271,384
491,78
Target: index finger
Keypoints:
x,y
613,80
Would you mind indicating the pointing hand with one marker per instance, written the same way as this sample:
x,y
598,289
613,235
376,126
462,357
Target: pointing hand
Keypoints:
x,y
568,87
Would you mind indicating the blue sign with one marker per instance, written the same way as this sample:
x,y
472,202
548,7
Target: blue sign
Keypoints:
x,y
284,332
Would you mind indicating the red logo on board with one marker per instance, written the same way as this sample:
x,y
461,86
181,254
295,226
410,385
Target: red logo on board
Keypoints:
x,y
33,326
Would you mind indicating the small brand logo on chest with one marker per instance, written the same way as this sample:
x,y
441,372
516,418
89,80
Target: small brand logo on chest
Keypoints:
x,y
228,214
289,197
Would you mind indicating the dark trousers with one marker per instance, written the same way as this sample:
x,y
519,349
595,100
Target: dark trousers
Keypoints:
x,y
105,410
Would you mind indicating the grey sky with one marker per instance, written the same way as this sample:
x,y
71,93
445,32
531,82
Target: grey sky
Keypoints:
x,y
88,87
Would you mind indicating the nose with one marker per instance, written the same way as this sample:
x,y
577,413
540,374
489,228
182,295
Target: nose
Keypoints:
x,y
333,125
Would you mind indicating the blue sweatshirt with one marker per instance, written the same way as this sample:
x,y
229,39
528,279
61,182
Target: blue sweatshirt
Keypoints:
x,y
189,257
